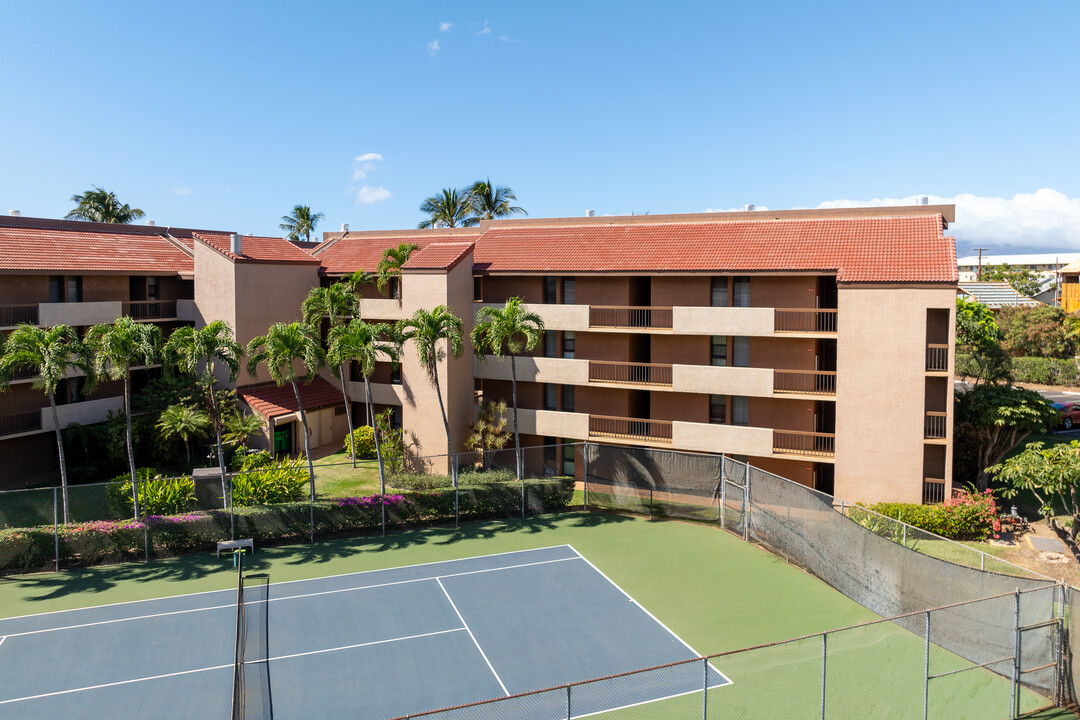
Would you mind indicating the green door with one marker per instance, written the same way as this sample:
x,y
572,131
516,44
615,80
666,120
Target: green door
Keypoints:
x,y
283,440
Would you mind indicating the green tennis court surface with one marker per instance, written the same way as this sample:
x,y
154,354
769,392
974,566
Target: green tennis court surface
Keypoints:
x,y
707,587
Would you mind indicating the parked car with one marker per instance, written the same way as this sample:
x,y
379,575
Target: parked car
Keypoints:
x,y
1070,414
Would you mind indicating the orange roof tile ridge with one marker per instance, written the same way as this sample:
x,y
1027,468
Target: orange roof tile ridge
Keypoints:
x,y
190,252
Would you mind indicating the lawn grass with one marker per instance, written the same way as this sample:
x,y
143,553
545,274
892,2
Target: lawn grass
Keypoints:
x,y
336,477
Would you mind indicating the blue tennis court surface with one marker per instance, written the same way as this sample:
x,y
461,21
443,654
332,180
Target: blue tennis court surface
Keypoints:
x,y
370,646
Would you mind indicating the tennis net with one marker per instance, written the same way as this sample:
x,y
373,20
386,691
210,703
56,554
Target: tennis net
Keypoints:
x,y
238,692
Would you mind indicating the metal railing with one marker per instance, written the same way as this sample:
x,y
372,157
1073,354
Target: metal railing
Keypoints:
x,y
15,314
933,491
625,316
936,425
20,423
937,357
630,373
804,382
630,428
150,309
805,321
794,442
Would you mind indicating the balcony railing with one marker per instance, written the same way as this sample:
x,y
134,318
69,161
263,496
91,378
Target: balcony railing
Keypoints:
x,y
793,442
936,425
802,382
805,321
630,428
20,423
630,373
16,314
937,357
150,309
24,373
617,316
933,491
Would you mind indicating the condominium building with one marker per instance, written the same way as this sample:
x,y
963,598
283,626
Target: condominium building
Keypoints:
x,y
815,344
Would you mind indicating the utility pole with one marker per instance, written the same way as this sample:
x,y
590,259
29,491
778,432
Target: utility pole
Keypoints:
x,y
979,276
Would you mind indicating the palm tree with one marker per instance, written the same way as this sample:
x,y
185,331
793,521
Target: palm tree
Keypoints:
x,y
430,330
450,208
509,330
116,348
492,201
301,222
389,266
364,344
337,303
97,205
279,349
239,427
488,433
189,350
50,352
185,422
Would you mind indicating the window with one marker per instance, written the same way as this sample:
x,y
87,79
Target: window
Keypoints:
x,y
551,285
568,291
74,390
719,292
550,397
65,289
568,342
478,289
742,292
395,417
152,288
568,460
551,455
395,288
74,289
56,289
718,409
551,344
395,374
568,398
740,410
740,351
719,349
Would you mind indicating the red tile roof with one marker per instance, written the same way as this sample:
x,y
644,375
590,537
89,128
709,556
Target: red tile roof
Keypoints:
x,y
271,400
438,256
98,248
257,249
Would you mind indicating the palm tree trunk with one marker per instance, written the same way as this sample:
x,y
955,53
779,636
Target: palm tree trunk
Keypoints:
x,y
348,414
225,499
449,440
378,456
307,450
517,438
130,444
63,460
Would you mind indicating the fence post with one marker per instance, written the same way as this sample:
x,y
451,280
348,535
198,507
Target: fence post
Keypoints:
x,y
705,688
56,530
585,453
232,510
824,657
746,503
146,530
521,478
723,490
904,526
1014,699
1059,682
568,715
453,478
926,672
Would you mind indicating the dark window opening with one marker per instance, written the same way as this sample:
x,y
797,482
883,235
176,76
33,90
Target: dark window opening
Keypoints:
x,y
719,292
719,349
568,342
742,292
551,289
568,291
551,344
550,397
568,398
718,409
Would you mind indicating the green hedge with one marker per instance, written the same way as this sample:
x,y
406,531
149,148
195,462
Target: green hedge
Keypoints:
x,y
1041,371
106,541
968,517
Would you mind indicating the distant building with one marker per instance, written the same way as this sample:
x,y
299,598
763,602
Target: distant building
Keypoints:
x,y
995,295
1045,265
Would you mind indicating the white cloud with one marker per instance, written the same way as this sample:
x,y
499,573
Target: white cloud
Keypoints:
x,y
507,39
368,157
1045,218
369,195
364,164
433,48
445,26
738,209
181,190
486,30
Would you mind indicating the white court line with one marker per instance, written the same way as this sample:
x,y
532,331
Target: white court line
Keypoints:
x,y
286,582
482,654
222,667
286,597
654,618
2,639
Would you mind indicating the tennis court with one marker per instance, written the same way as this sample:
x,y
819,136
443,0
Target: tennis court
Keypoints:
x,y
375,644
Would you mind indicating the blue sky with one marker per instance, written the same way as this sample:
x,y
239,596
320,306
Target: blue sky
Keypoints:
x,y
224,115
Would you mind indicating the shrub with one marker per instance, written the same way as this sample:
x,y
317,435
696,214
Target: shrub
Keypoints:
x,y
259,483
970,516
364,439
157,495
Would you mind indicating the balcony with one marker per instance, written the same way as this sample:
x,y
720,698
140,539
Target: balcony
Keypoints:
x,y
12,315
937,358
817,321
799,382
86,412
79,313
150,310
20,423
629,317
654,431
933,491
622,373
936,425
807,444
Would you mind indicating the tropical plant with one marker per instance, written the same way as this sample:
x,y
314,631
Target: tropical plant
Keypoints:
x,y
389,267
434,333
1024,281
508,330
263,481
1041,331
97,205
116,347
337,303
361,443
391,442
184,422
488,432
199,353
280,349
50,353
492,201
301,222
449,208
1048,473
365,345
238,427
